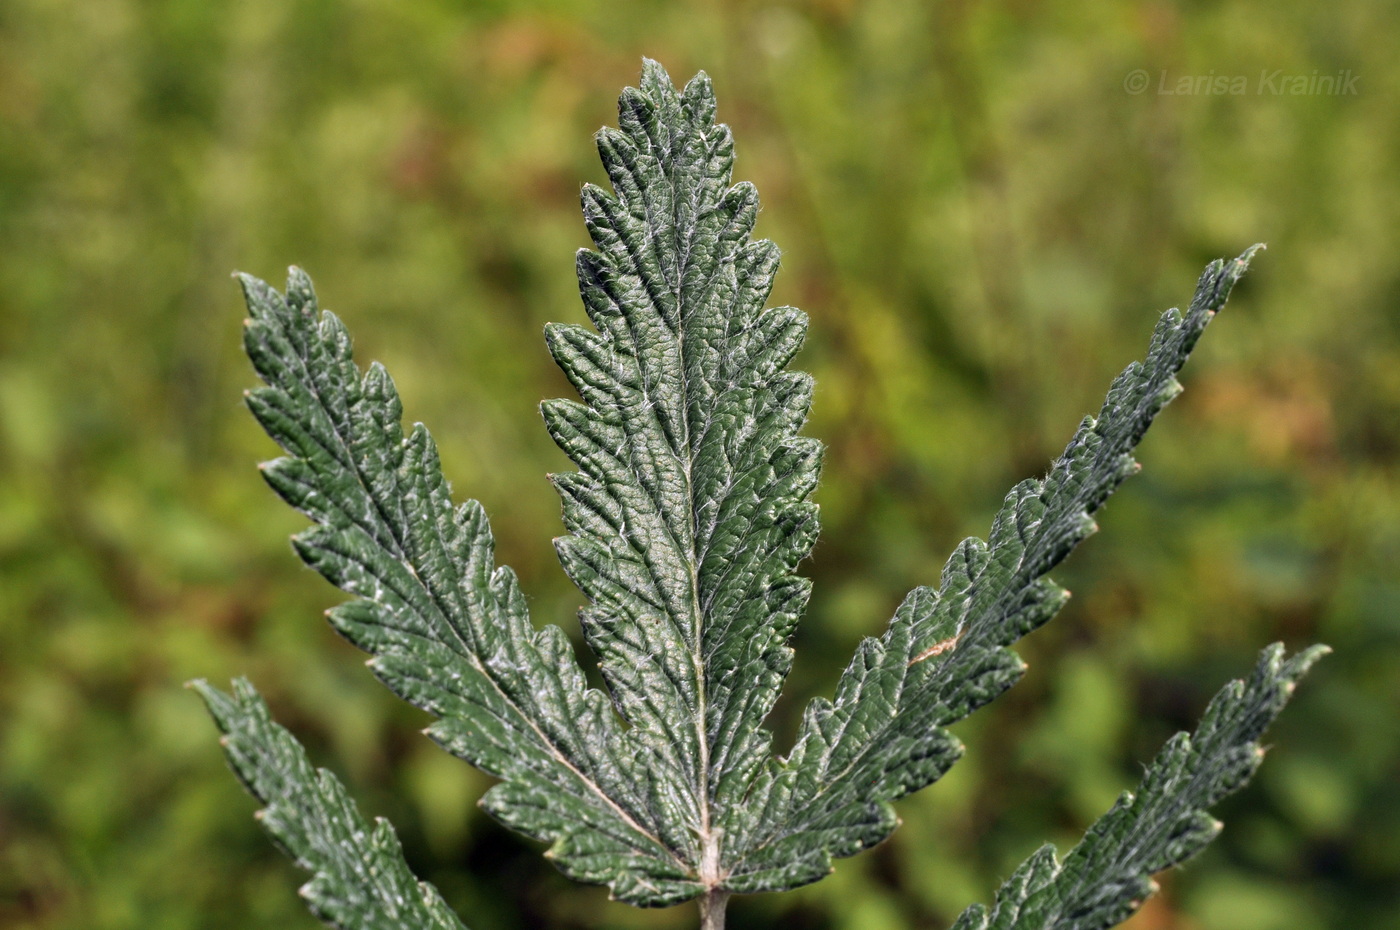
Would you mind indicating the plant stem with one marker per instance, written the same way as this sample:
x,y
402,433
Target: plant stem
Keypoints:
x,y
712,905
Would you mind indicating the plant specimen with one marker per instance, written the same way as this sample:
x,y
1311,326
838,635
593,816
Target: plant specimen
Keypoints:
x,y
686,521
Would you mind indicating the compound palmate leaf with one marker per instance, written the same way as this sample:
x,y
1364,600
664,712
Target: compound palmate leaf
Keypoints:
x,y
685,521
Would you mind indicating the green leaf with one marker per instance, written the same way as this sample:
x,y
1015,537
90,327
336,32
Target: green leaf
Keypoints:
x,y
689,512
361,881
448,630
945,653
1106,878
685,521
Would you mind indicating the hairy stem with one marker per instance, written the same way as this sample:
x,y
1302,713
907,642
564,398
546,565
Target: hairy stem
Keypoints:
x,y
712,904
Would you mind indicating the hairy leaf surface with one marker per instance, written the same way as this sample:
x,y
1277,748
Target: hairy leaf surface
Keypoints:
x,y
360,879
946,651
689,513
448,630
686,521
1106,878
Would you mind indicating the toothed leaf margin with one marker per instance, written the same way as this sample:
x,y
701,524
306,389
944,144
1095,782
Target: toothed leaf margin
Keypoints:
x,y
1108,876
360,880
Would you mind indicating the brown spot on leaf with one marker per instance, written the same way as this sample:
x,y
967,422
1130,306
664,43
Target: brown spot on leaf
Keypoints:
x,y
937,649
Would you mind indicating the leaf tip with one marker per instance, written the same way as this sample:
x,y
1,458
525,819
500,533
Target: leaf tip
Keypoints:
x,y
654,73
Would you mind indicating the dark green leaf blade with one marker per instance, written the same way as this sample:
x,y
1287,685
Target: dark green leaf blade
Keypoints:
x,y
449,630
360,879
946,651
1106,878
688,515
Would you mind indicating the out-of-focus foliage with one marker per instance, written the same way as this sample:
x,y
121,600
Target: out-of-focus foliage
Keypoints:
x,y
981,220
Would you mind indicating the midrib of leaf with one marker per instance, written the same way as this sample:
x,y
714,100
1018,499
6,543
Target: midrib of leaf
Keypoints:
x,y
682,451
710,841
683,245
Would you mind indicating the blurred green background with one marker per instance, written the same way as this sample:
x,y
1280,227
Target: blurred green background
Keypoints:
x,y
983,222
